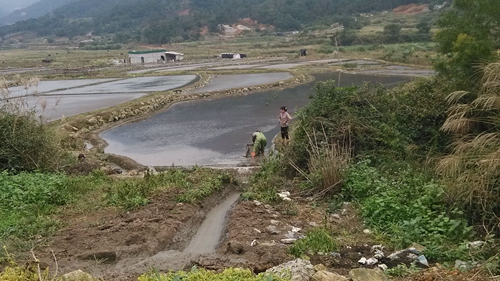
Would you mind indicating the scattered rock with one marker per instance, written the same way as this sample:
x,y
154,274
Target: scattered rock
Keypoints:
x,y
462,265
379,254
383,266
235,247
296,270
422,262
320,267
275,222
371,261
285,195
272,229
336,255
365,274
324,275
475,244
288,240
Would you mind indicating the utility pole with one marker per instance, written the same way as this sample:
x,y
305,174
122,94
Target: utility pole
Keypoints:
x,y
337,28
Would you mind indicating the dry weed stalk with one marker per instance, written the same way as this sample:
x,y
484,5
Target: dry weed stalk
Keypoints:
x,y
37,261
327,162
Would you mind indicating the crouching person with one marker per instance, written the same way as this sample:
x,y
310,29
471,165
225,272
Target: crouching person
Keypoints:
x,y
259,143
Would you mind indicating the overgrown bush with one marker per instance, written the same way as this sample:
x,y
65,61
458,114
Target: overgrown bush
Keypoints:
x,y
30,199
27,144
189,185
325,49
268,181
327,164
401,122
408,206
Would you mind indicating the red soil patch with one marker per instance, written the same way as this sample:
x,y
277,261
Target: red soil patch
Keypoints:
x,y
410,9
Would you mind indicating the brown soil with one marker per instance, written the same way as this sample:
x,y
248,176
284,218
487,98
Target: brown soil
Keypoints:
x,y
117,245
410,9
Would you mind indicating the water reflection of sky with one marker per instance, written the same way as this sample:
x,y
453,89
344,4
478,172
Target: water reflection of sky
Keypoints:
x,y
215,132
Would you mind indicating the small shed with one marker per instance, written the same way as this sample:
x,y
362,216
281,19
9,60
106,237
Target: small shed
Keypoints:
x,y
174,56
146,56
227,55
232,56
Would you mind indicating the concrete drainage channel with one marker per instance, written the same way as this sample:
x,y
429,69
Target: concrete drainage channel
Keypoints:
x,y
209,234
190,244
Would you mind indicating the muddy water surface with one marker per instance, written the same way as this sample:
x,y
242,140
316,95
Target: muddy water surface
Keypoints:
x,y
215,132
56,99
224,82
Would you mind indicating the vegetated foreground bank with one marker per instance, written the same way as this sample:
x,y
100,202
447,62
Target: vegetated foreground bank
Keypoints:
x,y
360,146
363,145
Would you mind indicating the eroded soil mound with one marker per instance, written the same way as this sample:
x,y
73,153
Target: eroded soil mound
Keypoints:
x,y
410,9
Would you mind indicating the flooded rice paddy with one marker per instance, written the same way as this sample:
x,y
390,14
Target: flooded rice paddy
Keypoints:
x,y
215,132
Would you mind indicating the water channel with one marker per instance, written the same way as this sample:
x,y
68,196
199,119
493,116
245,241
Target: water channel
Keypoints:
x,y
215,132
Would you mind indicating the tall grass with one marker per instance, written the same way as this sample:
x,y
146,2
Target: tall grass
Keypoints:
x,y
473,166
28,144
327,163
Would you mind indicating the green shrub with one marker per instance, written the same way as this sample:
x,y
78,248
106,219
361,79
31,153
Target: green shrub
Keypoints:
x,y
230,274
374,47
27,143
325,49
401,270
317,241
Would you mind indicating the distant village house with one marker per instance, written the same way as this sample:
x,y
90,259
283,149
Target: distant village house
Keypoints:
x,y
153,56
232,56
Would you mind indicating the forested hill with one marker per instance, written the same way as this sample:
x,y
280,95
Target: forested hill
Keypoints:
x,y
34,10
158,21
8,6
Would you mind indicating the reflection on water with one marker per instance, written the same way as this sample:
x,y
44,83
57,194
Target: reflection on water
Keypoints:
x,y
215,132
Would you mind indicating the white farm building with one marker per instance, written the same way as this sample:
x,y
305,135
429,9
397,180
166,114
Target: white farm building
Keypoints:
x,y
153,56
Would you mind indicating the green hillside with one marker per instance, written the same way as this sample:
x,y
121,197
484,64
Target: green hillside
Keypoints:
x,y
159,21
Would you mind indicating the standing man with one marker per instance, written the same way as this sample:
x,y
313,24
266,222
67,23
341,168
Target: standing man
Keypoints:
x,y
259,143
284,119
